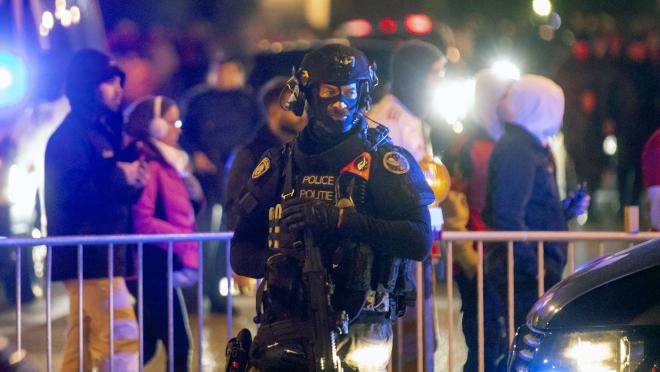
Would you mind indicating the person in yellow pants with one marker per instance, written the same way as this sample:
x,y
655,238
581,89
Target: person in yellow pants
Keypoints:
x,y
96,327
90,183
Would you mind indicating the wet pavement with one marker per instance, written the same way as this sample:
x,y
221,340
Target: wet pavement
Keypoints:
x,y
34,333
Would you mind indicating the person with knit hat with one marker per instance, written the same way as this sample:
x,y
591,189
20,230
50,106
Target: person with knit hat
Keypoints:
x,y
522,191
90,184
167,206
417,67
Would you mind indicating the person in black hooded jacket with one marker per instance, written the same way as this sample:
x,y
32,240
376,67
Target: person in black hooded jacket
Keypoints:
x,y
89,189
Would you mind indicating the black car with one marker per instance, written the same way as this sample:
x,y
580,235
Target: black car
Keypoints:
x,y
604,317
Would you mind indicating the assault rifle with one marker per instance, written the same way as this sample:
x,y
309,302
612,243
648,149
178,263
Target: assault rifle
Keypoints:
x,y
326,325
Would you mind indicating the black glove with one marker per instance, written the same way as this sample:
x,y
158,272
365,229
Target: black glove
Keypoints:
x,y
316,215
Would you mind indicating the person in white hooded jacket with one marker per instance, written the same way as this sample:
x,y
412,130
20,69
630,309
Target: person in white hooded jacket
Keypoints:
x,y
523,192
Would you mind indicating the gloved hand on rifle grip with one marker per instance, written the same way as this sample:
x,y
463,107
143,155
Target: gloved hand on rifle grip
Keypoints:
x,y
317,215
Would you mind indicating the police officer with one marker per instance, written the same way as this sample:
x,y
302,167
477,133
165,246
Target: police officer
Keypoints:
x,y
363,200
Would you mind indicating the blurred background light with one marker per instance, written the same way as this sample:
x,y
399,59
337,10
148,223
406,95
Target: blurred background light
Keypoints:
x,y
542,7
60,6
610,145
554,20
546,32
359,27
66,18
47,20
453,54
13,79
506,69
452,100
43,31
418,24
5,78
388,25
75,14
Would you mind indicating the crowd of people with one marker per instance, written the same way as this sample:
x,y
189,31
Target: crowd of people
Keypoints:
x,y
314,146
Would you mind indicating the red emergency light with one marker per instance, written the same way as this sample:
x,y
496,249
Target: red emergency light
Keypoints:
x,y
358,27
388,25
418,24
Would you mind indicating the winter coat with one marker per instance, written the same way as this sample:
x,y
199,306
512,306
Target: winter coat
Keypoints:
x,y
406,129
242,166
85,192
523,196
165,208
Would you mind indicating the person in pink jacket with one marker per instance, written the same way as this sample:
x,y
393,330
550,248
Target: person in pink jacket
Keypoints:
x,y
167,206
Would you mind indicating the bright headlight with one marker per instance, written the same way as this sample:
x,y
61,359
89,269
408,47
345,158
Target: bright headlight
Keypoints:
x,y
592,356
579,351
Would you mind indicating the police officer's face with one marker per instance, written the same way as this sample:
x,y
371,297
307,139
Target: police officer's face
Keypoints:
x,y
338,104
110,93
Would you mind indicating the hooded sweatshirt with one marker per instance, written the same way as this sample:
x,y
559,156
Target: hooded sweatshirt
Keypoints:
x,y
523,193
536,104
489,90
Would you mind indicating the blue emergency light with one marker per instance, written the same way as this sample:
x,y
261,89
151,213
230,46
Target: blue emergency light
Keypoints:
x,y
13,79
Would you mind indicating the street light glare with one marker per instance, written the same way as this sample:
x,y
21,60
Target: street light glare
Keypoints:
x,y
542,7
506,70
452,100
5,78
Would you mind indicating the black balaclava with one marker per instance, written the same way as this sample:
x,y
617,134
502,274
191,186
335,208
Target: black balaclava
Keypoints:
x,y
324,125
411,63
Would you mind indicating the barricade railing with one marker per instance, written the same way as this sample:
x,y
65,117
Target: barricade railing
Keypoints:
x,y
79,242
510,237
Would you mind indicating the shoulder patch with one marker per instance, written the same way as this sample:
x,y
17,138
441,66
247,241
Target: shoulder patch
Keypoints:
x,y
396,163
359,166
261,168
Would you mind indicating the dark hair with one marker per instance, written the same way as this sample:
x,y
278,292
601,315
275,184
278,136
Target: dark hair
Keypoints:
x,y
270,93
139,114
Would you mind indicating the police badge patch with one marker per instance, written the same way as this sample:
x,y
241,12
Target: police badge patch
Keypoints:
x,y
396,163
262,167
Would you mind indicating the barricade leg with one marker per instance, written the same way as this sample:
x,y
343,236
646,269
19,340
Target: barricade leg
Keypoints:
x,y
49,304
140,303
230,281
200,306
540,267
510,291
450,306
170,308
480,304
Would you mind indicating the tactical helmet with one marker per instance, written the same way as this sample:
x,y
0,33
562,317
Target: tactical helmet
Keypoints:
x,y
335,63
332,63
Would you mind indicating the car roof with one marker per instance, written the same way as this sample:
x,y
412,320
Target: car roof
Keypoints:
x,y
601,273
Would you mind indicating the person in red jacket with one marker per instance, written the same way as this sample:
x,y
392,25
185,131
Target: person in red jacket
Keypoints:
x,y
651,174
167,206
